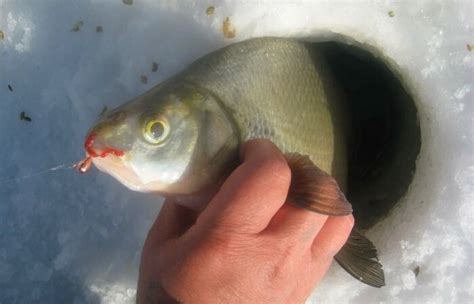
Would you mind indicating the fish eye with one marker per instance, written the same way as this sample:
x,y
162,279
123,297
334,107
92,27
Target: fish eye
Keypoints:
x,y
156,130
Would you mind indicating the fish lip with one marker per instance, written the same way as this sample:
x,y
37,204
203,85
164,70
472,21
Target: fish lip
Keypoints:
x,y
118,169
121,170
91,151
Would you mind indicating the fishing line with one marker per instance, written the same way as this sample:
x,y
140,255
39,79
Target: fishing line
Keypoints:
x,y
56,168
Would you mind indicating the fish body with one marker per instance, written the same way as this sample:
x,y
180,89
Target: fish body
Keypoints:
x,y
182,137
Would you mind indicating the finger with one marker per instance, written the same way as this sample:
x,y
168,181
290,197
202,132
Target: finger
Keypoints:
x,y
332,237
172,221
296,223
254,192
307,281
327,243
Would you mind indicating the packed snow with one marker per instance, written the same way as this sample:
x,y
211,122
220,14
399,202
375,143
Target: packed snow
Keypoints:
x,y
67,238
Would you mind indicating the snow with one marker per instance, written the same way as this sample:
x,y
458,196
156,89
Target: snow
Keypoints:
x,y
67,238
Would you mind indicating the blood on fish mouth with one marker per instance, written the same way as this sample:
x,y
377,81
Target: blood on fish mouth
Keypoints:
x,y
92,153
84,165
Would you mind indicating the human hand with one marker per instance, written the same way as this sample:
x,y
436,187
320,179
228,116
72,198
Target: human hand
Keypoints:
x,y
247,246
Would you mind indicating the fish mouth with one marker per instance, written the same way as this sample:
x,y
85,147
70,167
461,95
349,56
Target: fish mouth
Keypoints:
x,y
120,170
109,160
94,151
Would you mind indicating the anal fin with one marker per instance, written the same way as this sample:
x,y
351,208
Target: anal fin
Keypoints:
x,y
359,258
313,189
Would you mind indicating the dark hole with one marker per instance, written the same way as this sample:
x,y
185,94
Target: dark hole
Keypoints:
x,y
383,132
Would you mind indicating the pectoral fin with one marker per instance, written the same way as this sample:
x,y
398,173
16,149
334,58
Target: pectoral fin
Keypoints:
x,y
359,258
313,189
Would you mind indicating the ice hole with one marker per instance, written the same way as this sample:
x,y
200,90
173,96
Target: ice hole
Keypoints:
x,y
383,133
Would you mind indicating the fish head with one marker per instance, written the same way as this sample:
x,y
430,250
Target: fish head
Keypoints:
x,y
176,139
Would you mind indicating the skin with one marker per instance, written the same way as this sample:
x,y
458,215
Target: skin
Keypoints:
x,y
247,246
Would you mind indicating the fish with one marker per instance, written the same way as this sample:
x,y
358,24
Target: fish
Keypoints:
x,y
181,138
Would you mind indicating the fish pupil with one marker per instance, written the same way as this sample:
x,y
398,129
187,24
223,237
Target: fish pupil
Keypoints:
x,y
157,130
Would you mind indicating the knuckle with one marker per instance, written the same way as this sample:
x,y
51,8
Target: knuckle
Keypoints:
x,y
347,223
277,169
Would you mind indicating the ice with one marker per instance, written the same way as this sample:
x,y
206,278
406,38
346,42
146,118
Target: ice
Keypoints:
x,y
67,238
6,271
39,272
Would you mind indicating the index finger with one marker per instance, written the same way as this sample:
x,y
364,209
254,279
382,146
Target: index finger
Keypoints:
x,y
254,192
